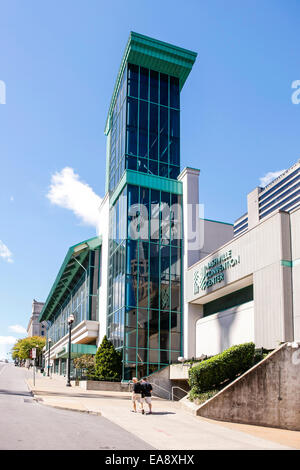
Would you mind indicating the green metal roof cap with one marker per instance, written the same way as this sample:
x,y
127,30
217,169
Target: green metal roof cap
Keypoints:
x,y
66,273
156,55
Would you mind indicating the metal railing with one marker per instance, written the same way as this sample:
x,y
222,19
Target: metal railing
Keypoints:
x,y
176,386
171,395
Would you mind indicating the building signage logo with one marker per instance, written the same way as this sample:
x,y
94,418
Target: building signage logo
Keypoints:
x,y
213,272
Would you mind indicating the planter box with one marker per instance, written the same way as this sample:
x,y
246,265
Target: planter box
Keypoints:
x,y
104,386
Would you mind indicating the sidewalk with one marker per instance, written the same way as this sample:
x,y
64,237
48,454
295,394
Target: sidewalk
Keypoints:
x,y
169,427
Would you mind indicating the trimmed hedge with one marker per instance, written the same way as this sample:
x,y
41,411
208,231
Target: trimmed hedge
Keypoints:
x,y
211,373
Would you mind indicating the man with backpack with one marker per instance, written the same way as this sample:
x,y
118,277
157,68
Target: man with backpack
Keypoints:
x,y
146,393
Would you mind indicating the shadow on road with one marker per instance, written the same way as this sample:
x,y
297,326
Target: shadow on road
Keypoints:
x,y
12,392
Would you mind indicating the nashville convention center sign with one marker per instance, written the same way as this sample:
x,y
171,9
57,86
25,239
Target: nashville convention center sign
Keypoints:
x,y
213,272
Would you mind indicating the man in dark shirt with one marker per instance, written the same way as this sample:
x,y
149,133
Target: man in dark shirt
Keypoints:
x,y
146,393
136,394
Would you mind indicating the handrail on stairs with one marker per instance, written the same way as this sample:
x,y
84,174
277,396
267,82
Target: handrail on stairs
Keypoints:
x,y
176,386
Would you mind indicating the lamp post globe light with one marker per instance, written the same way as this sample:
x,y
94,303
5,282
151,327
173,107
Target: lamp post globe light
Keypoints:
x,y
48,368
71,319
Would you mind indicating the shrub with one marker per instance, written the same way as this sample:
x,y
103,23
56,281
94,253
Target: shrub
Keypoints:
x,y
211,373
86,362
108,361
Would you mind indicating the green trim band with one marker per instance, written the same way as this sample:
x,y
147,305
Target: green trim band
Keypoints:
x,y
137,178
290,264
218,222
76,350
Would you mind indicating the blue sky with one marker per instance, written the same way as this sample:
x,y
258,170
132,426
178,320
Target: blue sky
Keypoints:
x,y
59,61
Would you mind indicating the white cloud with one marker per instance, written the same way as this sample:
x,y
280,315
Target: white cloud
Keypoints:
x,y
5,253
67,191
17,329
5,340
6,343
265,180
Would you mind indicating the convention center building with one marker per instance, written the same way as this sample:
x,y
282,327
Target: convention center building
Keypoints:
x,y
159,279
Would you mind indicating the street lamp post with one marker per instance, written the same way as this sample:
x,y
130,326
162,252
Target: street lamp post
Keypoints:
x,y
70,322
49,342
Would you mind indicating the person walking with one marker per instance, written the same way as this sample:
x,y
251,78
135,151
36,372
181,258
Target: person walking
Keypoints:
x,y
146,393
136,395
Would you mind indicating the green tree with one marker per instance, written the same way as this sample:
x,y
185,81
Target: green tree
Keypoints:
x,y
21,349
108,361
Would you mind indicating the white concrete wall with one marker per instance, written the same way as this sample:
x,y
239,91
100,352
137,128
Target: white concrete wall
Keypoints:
x,y
219,331
262,251
216,234
103,230
295,239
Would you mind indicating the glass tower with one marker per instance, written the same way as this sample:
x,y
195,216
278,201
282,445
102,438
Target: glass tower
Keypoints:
x,y
144,310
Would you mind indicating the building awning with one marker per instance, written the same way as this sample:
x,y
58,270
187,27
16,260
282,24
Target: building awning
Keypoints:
x,y
76,350
69,268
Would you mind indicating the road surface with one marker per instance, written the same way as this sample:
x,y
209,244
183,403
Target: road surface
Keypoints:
x,y
28,425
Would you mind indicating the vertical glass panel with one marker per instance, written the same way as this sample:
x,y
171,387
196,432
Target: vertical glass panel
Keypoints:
x,y
142,165
173,172
163,121
174,92
153,124
144,217
174,123
163,170
143,318
143,144
153,86
143,292
131,317
131,163
165,294
165,218
153,355
164,357
175,341
144,83
132,257
142,355
130,337
132,141
155,215
153,167
175,296
163,152
131,290
163,89
132,112
133,74
165,262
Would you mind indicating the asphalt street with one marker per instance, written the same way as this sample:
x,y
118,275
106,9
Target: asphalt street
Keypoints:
x,y
28,425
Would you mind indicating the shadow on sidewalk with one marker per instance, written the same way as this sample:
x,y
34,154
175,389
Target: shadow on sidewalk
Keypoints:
x,y
78,395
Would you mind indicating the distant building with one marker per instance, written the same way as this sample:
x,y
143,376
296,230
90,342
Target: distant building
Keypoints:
x,y
35,328
283,194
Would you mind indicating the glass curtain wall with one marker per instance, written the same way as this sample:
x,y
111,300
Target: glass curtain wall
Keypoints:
x,y
145,125
144,313
144,285
82,301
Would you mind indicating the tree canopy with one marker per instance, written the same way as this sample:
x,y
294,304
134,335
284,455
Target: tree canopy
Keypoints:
x,y
21,349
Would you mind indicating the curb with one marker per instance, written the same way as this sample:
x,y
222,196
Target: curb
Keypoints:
x,y
41,401
58,407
